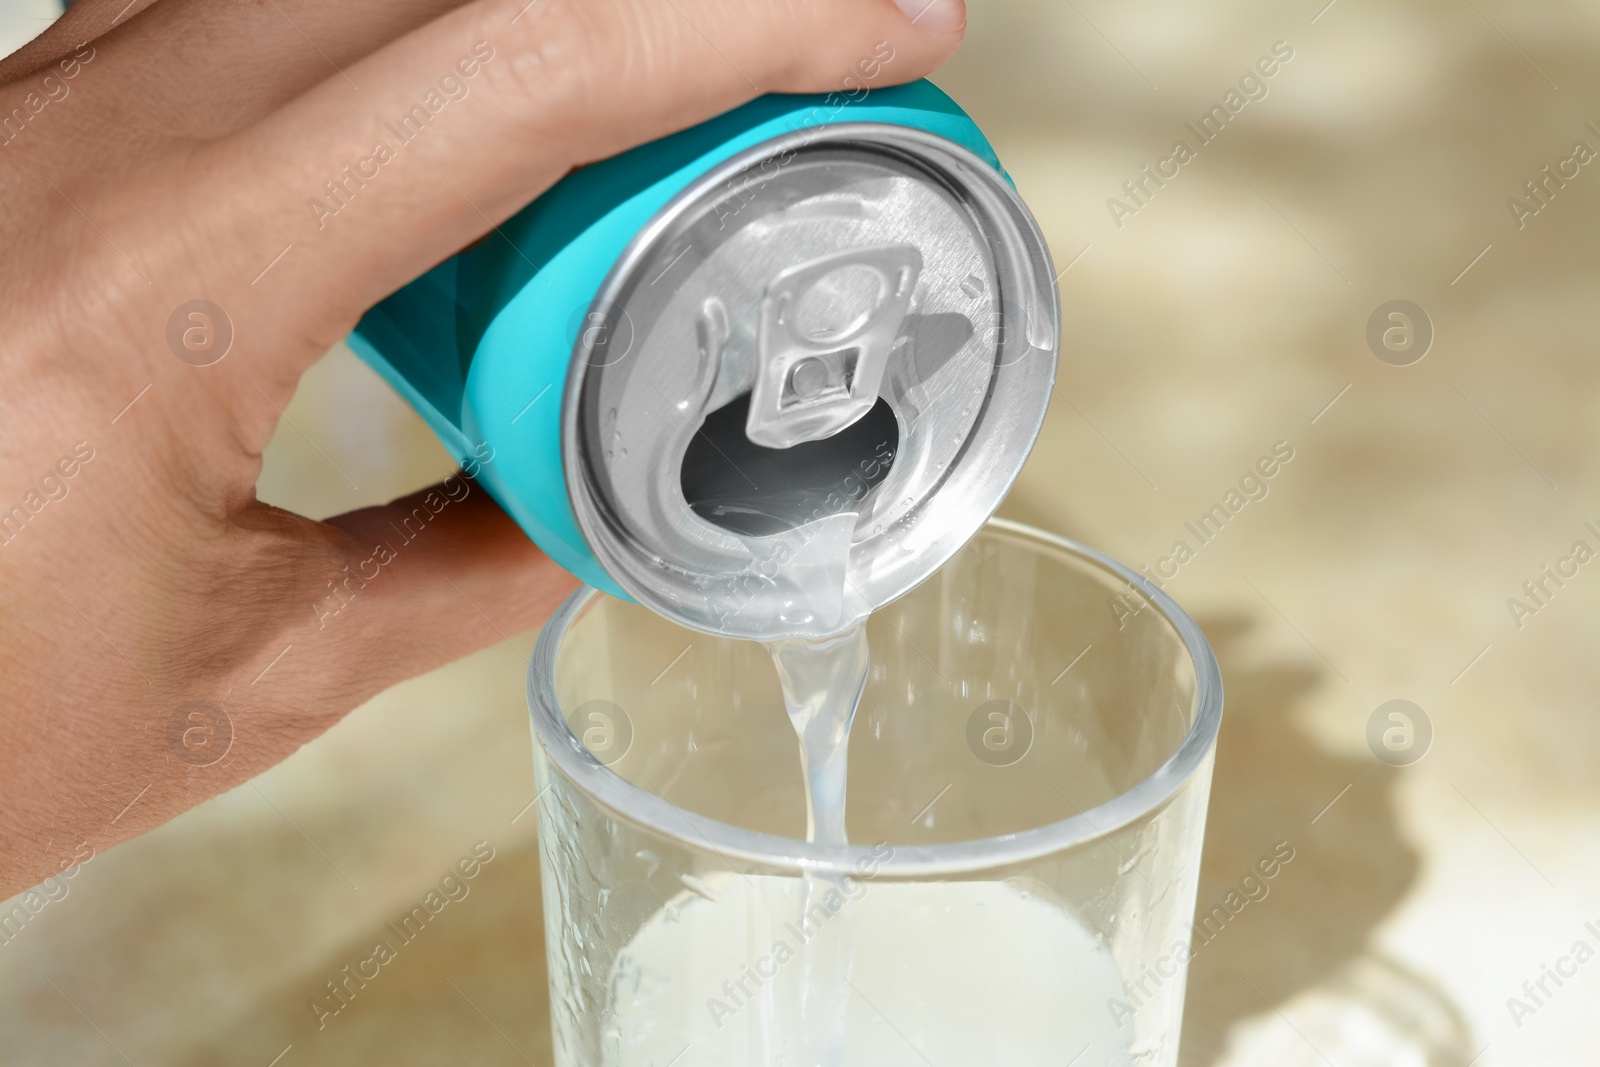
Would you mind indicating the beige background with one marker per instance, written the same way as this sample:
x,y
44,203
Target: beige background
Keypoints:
x,y
1221,318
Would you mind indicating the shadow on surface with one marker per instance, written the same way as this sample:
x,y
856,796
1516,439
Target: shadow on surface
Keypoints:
x,y
1351,867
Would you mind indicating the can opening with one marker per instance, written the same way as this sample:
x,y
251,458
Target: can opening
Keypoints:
x,y
734,483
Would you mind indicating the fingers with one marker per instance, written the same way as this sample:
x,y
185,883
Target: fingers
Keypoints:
x,y
192,70
462,122
456,125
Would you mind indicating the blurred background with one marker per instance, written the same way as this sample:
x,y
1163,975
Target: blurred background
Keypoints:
x,y
1206,321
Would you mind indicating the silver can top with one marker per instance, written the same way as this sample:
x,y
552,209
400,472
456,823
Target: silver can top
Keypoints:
x,y
810,380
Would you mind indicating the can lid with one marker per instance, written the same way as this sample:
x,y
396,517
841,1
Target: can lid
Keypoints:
x,y
809,380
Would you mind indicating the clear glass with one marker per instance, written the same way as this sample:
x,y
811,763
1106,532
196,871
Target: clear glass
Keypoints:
x,y
1028,776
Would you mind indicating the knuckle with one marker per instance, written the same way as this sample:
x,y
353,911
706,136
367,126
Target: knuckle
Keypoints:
x,y
553,53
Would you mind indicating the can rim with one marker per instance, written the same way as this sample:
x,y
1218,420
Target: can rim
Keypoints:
x,y
594,514
787,855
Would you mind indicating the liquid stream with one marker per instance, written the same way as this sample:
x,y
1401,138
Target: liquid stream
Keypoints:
x,y
822,682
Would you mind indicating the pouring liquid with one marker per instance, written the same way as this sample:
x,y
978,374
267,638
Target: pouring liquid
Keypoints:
x,y
822,683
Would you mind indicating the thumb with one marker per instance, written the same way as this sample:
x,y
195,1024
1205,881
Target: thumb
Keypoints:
x,y
305,619
423,581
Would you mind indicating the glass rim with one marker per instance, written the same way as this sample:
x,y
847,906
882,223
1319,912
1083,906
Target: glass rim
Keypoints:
x,y
634,804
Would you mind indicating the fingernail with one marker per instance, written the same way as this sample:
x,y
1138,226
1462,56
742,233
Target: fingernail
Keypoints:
x,y
935,16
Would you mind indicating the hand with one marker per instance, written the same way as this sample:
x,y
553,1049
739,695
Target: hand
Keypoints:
x,y
158,153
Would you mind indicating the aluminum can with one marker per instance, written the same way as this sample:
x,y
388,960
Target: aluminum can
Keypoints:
x,y
762,376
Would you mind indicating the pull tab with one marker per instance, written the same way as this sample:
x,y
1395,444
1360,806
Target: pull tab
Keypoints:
x,y
826,330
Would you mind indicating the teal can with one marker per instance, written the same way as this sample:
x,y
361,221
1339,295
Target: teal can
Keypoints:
x,y
810,327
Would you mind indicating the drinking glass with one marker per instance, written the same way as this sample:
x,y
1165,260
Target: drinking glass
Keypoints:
x,y
1027,786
